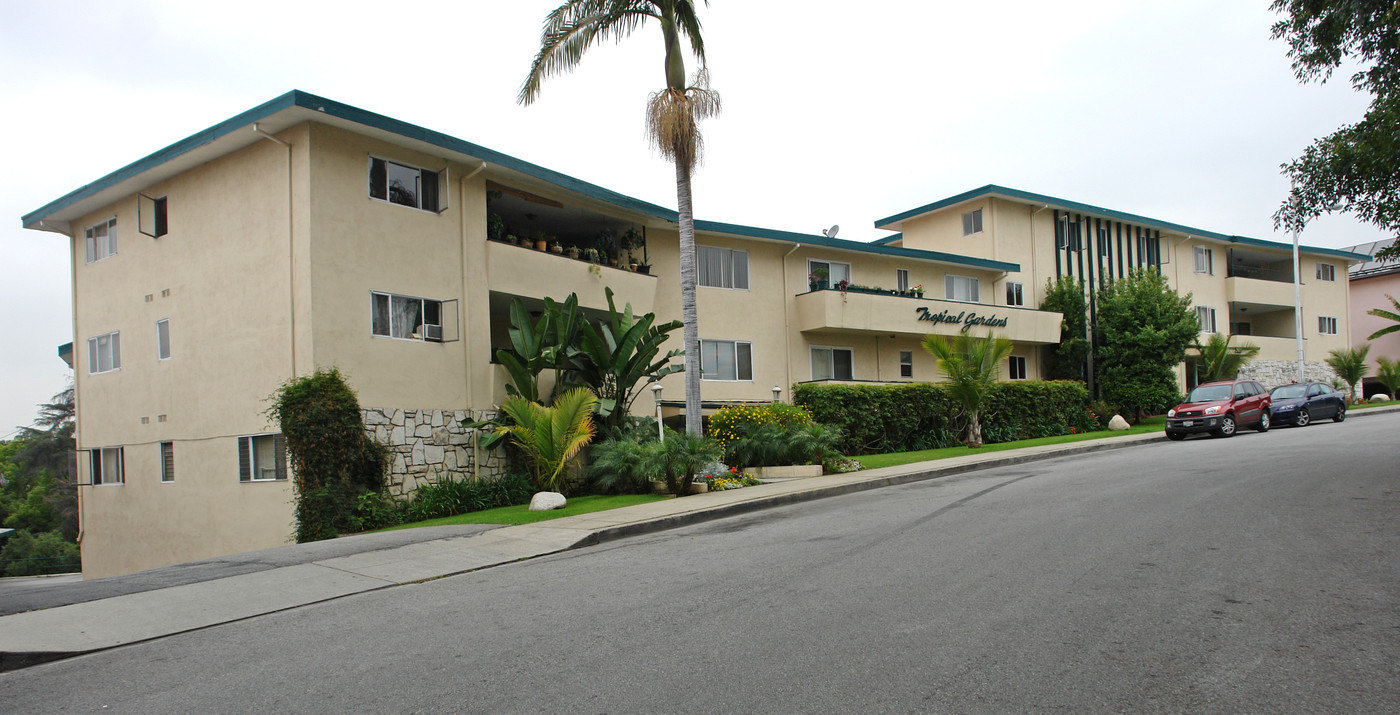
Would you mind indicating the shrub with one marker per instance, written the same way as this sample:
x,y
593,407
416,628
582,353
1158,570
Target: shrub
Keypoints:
x,y
451,497
902,418
623,466
33,555
1103,412
333,460
771,435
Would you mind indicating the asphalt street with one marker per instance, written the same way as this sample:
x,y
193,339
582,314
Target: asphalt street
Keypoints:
x,y
1254,574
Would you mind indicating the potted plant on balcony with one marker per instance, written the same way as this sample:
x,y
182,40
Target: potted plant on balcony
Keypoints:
x,y
919,290
541,241
512,239
557,248
817,279
495,227
644,268
630,239
572,251
591,254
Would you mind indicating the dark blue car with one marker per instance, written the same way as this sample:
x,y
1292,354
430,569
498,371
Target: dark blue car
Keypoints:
x,y
1302,402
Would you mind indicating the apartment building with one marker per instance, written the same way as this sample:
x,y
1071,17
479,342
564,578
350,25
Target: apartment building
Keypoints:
x,y
1239,285
1372,283
306,233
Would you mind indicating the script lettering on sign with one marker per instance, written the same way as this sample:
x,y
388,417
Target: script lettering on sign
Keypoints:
x,y
965,318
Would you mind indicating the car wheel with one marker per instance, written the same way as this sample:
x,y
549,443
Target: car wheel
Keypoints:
x,y
1263,421
1303,417
1176,436
1341,414
1227,426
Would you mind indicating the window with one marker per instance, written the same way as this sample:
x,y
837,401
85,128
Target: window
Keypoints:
x,y
108,465
1242,328
407,185
972,222
1015,293
832,364
1326,272
101,240
901,279
906,363
405,317
1103,242
167,461
726,360
104,353
722,267
1326,325
150,216
163,339
262,458
1204,264
1206,317
961,288
1017,367
836,272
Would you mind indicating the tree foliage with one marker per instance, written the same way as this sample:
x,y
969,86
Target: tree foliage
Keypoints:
x,y
551,436
971,366
1388,315
1066,297
1144,328
1388,373
39,495
334,462
1359,164
1221,361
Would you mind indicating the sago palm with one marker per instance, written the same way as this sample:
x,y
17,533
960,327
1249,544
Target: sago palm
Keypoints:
x,y
1220,361
551,436
1388,373
1381,313
673,116
1350,365
971,365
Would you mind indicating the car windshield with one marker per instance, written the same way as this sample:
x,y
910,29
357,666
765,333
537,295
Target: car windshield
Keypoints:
x,y
1210,393
1288,392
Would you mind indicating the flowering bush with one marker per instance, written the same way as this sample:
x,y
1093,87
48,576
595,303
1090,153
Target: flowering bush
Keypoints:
x,y
771,435
732,479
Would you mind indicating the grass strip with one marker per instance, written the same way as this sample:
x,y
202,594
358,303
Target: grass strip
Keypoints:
x,y
521,514
891,459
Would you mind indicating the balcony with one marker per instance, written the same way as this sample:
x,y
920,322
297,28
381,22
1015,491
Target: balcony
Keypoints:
x,y
831,311
526,272
1259,291
1284,349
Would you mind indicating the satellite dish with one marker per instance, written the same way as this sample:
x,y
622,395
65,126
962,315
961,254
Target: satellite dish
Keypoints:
x,y
831,232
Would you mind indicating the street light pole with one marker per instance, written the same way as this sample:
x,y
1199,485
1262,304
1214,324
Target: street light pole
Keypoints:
x,y
1298,304
656,394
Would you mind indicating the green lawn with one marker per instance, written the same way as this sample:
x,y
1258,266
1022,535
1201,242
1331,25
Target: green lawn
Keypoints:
x,y
512,515
873,461
1375,404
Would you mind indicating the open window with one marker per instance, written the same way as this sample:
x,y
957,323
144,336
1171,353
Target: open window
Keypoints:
x,y
150,216
407,317
408,185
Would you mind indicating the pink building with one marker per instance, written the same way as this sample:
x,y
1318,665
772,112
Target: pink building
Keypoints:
x,y
1370,282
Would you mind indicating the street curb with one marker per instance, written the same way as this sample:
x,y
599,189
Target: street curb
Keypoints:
x,y
720,512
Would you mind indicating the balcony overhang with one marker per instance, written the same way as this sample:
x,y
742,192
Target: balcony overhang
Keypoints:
x,y
525,272
831,311
1260,295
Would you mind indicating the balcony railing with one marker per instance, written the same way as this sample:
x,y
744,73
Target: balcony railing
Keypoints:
x,y
1280,275
516,270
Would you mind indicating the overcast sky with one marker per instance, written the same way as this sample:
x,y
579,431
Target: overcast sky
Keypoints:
x,y
834,113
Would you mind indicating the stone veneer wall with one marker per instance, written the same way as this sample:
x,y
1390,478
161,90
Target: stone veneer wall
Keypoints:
x,y
427,446
1272,373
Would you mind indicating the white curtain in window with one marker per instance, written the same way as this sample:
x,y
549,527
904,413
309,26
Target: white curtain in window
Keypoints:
x,y
407,316
821,364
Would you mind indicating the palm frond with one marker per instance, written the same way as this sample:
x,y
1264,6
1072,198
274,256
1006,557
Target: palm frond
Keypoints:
x,y
1388,315
572,28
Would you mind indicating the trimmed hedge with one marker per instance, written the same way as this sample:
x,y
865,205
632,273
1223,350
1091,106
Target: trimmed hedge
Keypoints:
x,y
907,417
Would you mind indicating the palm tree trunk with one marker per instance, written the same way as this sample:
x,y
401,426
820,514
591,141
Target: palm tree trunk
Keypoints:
x,y
689,321
974,431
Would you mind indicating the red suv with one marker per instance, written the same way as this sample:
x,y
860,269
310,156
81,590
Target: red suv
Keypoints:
x,y
1220,408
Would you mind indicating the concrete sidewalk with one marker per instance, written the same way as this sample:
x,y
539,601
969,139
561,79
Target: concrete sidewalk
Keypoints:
x,y
233,588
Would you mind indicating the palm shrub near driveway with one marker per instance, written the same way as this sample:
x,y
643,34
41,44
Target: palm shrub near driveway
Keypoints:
x,y
1219,360
338,470
1388,372
1350,364
971,366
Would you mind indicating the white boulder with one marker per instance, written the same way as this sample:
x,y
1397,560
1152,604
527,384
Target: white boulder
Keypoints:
x,y
1380,397
544,501
1118,424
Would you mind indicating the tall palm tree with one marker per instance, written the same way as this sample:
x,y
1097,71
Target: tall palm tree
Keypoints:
x,y
971,365
1220,361
673,117
1379,313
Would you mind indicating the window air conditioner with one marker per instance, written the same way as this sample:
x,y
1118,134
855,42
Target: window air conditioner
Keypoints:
x,y
432,333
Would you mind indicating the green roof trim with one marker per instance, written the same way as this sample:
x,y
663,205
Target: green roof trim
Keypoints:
x,y
888,239
297,98
65,349
845,245
1074,206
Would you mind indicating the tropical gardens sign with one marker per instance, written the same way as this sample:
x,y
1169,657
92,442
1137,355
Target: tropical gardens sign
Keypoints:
x,y
965,318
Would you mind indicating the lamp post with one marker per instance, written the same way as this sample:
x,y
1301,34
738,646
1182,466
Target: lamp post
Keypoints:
x,y
777,394
656,395
1298,292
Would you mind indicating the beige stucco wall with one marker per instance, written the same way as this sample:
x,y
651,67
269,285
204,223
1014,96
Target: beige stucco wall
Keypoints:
x,y
226,266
